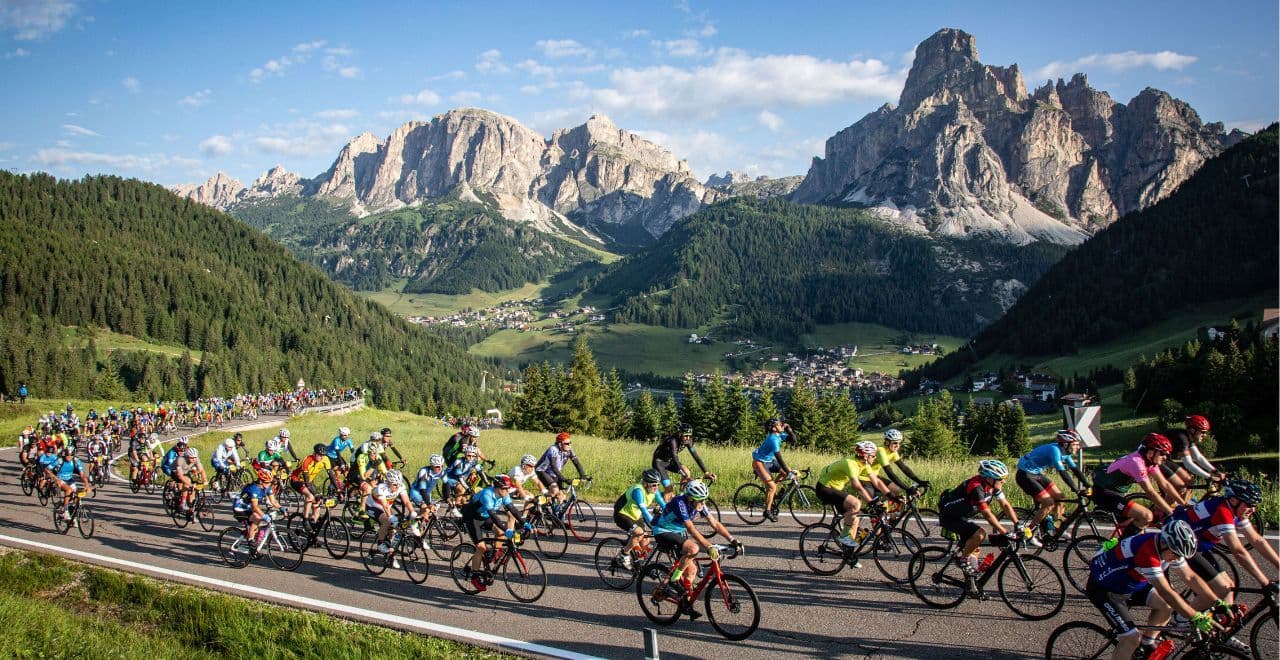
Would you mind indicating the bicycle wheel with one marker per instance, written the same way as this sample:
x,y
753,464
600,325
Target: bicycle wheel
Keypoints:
x,y
216,486
923,524
1264,636
704,523
610,568
205,514
1093,523
441,535
1079,639
581,521
748,503
524,576
732,607
413,558
660,603
43,494
283,553
1035,592
936,579
803,504
460,567
234,547
337,540
60,524
821,550
550,537
181,518
1076,559
84,520
892,554
297,529
169,496
375,562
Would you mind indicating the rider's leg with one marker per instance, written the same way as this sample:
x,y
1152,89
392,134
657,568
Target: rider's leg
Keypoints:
x,y
688,569
852,506
770,488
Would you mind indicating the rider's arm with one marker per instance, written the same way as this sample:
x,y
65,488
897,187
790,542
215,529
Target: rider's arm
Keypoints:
x,y
576,464
1162,586
693,451
1155,487
513,512
1196,463
637,498
893,476
879,485
1241,554
777,456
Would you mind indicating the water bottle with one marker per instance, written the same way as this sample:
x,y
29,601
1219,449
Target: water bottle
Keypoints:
x,y
986,562
1161,650
862,534
262,534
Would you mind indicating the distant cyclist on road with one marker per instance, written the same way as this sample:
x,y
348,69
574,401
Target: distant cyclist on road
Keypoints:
x,y
1142,467
857,472
340,443
550,467
889,459
633,512
1190,461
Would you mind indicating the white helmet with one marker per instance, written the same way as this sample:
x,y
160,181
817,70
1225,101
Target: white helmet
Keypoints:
x,y
229,444
273,446
436,460
193,453
395,478
866,449
375,436
473,431
284,433
344,431
528,459
470,450
893,435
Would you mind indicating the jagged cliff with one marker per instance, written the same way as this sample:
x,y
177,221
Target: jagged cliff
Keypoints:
x,y
968,150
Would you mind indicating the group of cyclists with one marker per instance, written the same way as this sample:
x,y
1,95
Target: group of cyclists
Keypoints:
x,y
663,506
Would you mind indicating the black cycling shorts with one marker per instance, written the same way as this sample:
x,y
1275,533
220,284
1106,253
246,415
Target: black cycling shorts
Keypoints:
x,y
1115,607
624,523
1032,484
661,466
302,487
960,525
477,528
1206,565
669,541
831,497
1110,501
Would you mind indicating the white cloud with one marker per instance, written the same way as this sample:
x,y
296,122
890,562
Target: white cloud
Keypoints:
x,y
533,68
72,129
302,138
707,31
309,46
452,75
548,121
1161,61
424,97
131,84
33,19
706,151
738,80
216,145
196,99
17,52
145,163
637,34
466,97
680,47
349,72
490,61
341,113
555,48
769,120
340,50
531,89
277,66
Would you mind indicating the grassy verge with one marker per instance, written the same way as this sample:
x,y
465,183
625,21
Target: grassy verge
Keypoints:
x,y
89,612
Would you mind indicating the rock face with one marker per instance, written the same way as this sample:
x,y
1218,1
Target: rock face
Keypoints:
x,y
220,191
737,184
597,175
968,151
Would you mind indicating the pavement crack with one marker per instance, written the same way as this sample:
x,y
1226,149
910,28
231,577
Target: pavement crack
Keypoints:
x,y
916,629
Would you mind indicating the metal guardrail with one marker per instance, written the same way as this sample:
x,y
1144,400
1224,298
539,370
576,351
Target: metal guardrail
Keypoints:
x,y
334,407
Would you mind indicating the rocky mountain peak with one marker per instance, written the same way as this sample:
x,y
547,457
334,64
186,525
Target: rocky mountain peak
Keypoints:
x,y
220,191
946,54
729,178
276,181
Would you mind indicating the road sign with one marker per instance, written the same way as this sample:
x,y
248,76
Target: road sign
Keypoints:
x,y
1085,420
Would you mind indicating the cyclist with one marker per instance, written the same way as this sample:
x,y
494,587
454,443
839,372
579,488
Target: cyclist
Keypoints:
x,y
69,466
303,477
271,457
390,446
1131,571
378,505
1143,468
224,456
458,477
888,458
248,505
974,496
675,529
26,445
479,516
1186,449
48,462
633,512
521,474
422,490
365,461
1222,520
97,450
169,464
189,472
550,466
767,460
1031,478
666,457
340,443
467,436
285,446
859,471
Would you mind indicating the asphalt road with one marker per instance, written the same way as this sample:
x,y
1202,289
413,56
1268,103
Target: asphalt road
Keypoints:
x,y
853,614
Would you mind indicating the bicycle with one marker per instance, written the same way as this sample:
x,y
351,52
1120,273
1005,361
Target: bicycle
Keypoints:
x,y
522,572
892,547
224,482
1085,639
78,513
98,473
326,530
201,510
29,477
578,516
407,551
731,604
1033,589
144,478
1264,635
799,498
237,551
614,573
549,535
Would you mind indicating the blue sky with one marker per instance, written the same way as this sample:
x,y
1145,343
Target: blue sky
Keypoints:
x,y
173,92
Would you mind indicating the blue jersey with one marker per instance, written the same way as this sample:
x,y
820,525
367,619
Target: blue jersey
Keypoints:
x,y
68,469
48,461
421,489
486,503
772,444
1044,457
170,461
338,445
248,495
459,471
674,515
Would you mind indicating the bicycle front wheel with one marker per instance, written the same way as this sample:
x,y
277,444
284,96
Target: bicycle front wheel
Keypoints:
x,y
234,548
205,514
893,552
704,522
1033,590
821,550
413,558
732,607
1077,640
609,567
524,576
581,521
84,520
283,553
550,537
441,535
923,523
659,601
460,567
936,579
296,527
748,503
337,540
805,507
1076,559
1264,636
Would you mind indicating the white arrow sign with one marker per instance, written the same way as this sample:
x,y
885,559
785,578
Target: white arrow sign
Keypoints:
x,y
1085,421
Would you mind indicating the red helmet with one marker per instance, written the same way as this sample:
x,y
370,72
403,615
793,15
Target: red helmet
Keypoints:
x,y
503,481
1157,442
264,474
562,436
1197,423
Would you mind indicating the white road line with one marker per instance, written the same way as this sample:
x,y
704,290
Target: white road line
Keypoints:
x,y
312,603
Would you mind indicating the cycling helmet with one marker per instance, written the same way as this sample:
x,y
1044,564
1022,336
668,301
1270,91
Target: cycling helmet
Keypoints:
x,y
66,452
1157,442
1197,423
376,447
264,474
470,450
1245,491
229,444
273,446
1068,436
992,469
284,433
528,459
318,448
651,476
1177,536
436,460
866,449
344,431
686,430
502,481
395,477
374,436
893,435
697,491
154,438
562,437
180,442
386,430
472,431
193,453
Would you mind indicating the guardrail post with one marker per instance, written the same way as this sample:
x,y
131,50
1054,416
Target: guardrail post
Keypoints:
x,y
650,644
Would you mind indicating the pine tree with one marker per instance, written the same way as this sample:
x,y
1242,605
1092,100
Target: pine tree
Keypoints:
x,y
1017,435
803,415
668,418
715,411
582,405
692,412
739,418
933,432
765,411
616,418
644,418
